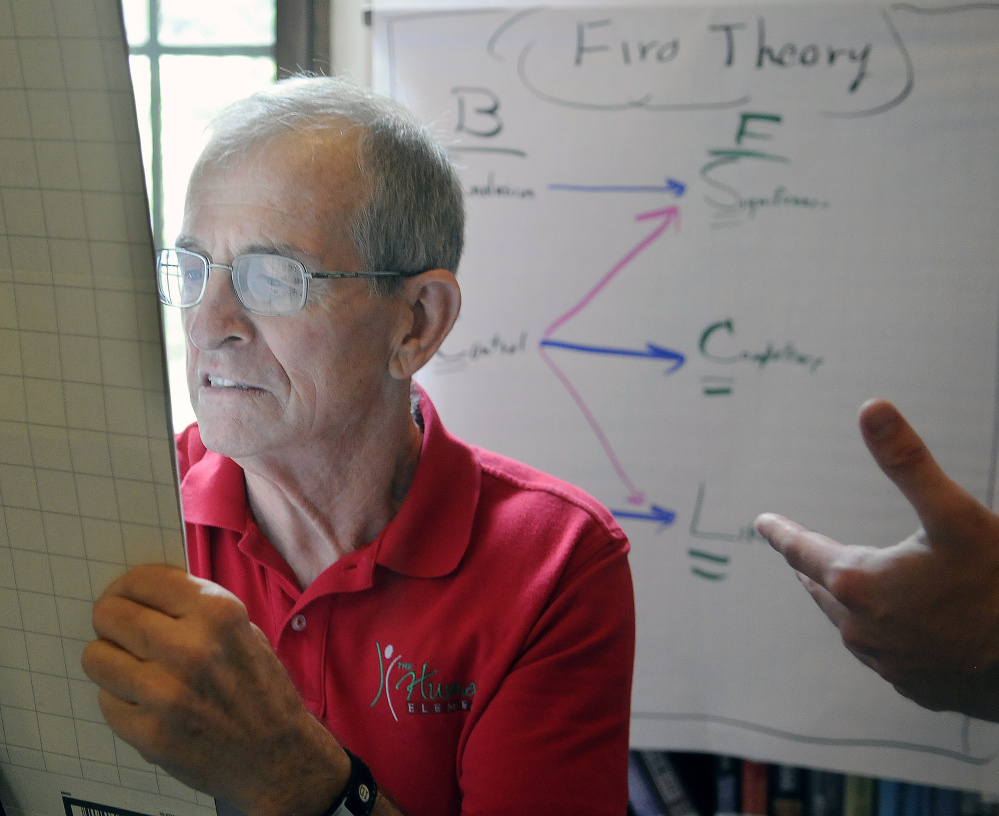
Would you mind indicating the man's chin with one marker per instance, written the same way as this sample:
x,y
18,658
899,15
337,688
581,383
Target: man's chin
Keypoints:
x,y
224,438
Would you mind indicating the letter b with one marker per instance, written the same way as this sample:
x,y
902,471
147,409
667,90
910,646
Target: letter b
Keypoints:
x,y
477,112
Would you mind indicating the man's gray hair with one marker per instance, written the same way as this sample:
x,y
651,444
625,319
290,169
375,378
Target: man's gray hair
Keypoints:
x,y
414,217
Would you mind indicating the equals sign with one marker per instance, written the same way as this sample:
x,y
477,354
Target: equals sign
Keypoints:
x,y
712,560
717,386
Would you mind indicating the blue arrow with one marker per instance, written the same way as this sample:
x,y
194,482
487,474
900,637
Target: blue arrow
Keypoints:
x,y
656,513
651,350
673,186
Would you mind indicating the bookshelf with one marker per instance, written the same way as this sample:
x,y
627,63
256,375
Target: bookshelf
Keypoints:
x,y
673,783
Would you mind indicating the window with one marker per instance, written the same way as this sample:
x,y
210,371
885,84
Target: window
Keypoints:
x,y
189,59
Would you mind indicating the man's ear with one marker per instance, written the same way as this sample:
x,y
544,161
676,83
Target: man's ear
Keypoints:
x,y
434,300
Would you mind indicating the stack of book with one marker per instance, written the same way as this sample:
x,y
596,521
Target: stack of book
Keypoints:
x,y
665,783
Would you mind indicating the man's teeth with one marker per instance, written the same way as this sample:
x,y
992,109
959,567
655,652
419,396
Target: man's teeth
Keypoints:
x,y
222,382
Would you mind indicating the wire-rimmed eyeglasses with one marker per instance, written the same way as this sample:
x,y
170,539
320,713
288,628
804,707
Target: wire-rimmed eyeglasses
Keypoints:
x,y
265,284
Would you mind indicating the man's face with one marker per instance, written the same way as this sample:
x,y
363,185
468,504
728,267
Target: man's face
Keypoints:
x,y
265,386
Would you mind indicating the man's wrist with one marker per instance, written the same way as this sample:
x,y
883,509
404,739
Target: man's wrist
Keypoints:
x,y
359,794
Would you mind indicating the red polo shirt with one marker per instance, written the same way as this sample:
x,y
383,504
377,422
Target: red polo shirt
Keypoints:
x,y
477,654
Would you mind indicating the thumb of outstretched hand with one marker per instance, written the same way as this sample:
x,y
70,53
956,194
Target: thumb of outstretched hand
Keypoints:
x,y
905,459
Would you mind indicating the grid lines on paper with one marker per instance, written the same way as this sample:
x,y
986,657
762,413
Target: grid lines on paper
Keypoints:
x,y
86,462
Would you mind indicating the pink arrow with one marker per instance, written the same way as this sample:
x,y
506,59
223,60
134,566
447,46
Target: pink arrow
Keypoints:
x,y
667,216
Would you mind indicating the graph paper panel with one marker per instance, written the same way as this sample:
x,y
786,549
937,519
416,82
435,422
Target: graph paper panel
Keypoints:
x,y
87,479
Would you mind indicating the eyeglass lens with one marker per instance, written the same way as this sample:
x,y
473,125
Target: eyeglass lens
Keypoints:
x,y
269,284
180,277
265,284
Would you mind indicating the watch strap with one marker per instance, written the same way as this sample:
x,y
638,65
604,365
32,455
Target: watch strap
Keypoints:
x,y
358,798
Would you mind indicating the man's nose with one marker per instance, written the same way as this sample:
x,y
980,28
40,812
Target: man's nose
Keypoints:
x,y
219,319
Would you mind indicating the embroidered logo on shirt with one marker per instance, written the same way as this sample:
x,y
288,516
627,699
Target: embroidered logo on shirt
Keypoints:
x,y
423,695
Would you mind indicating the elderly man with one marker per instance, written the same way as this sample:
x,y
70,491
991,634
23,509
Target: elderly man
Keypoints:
x,y
377,605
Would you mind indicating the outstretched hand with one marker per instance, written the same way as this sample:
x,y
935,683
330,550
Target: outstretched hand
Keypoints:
x,y
924,613
188,680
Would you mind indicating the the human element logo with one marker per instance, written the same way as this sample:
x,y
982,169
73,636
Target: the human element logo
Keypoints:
x,y
432,698
384,675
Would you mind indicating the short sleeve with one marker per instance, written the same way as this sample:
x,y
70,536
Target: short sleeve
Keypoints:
x,y
554,738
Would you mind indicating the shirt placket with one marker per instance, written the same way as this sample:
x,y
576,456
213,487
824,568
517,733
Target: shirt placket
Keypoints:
x,y
301,648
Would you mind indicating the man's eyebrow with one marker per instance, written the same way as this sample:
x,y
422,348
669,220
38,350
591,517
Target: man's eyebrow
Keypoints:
x,y
259,248
273,248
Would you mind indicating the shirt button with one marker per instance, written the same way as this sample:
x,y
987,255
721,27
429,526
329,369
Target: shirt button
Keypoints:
x,y
298,622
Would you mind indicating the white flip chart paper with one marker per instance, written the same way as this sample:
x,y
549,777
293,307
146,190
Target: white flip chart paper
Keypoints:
x,y
699,238
86,456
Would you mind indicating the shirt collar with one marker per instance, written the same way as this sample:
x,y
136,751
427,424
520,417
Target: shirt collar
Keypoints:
x,y
427,538
430,533
213,493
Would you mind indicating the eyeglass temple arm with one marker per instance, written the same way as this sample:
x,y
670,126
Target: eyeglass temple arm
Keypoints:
x,y
363,274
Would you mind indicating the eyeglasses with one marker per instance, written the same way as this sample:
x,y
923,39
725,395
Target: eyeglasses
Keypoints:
x,y
265,284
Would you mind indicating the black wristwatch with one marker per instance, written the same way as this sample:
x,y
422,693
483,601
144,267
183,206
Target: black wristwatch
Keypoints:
x,y
358,798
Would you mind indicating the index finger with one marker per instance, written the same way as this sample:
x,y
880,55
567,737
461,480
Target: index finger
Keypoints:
x,y
811,554
169,590
904,458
